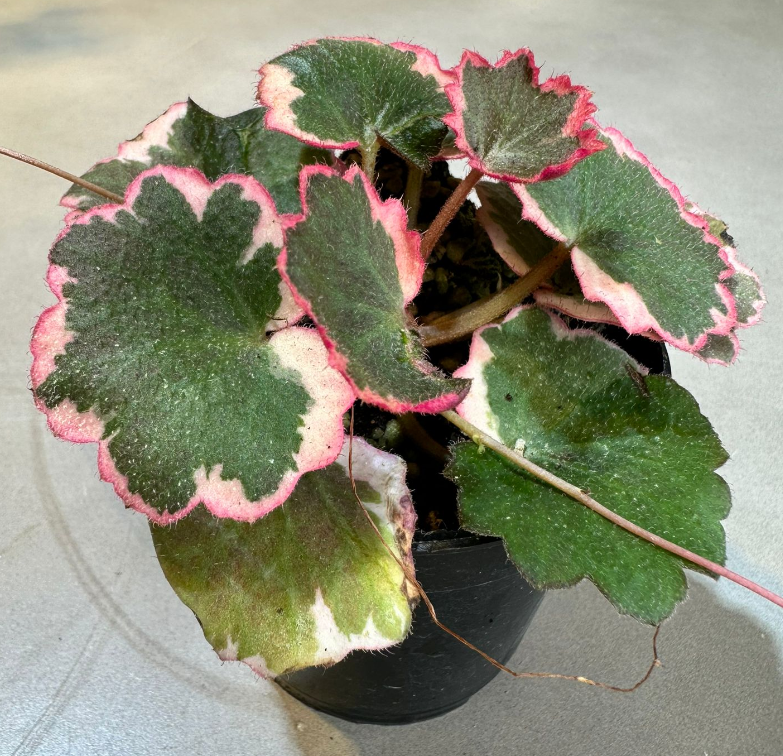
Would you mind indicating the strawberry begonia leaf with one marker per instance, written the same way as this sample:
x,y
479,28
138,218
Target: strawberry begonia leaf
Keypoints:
x,y
353,266
743,284
188,136
348,92
521,244
583,409
311,581
638,248
511,126
158,350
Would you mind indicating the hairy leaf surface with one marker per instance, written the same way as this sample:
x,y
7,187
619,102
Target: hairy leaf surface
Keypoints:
x,y
639,249
188,136
353,266
311,581
158,350
521,244
348,92
513,127
581,408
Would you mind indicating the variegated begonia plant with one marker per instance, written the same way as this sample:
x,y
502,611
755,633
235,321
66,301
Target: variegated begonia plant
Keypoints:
x,y
253,277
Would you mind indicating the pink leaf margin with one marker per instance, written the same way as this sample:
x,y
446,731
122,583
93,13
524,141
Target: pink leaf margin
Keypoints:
x,y
738,268
560,85
276,92
298,349
623,300
410,267
155,134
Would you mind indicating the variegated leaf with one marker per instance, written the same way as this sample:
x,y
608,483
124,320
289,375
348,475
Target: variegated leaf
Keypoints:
x,y
582,408
349,92
190,137
513,127
353,266
158,350
522,244
641,252
311,581
743,284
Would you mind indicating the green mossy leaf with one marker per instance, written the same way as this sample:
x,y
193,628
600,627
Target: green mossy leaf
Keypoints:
x,y
512,127
637,248
581,408
158,349
344,93
353,266
308,583
188,136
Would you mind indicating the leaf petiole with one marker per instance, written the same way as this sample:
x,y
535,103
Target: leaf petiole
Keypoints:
x,y
369,157
448,211
461,323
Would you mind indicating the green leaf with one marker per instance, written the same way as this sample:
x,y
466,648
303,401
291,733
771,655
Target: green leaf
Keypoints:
x,y
353,266
188,136
311,581
343,93
637,247
158,350
513,128
519,242
522,244
581,408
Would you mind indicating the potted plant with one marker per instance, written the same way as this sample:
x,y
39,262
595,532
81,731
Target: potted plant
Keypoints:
x,y
293,339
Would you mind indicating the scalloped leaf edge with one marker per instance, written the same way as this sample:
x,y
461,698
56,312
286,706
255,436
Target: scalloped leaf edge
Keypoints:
x,y
275,89
299,349
622,298
560,85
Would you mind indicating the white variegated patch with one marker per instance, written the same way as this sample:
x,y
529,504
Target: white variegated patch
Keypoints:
x,y
333,644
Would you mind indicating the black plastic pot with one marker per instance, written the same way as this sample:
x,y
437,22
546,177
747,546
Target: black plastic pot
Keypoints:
x,y
478,593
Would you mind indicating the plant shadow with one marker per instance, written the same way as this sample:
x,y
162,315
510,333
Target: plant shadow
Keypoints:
x,y
316,733
720,690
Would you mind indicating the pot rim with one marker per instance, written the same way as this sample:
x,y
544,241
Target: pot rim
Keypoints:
x,y
449,540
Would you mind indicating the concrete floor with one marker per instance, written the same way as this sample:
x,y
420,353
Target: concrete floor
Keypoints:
x,y
97,656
